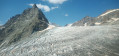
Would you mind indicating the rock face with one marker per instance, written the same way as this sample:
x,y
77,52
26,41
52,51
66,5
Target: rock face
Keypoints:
x,y
23,25
110,17
85,21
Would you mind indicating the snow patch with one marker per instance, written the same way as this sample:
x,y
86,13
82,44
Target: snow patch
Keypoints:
x,y
97,23
69,25
85,24
49,27
115,19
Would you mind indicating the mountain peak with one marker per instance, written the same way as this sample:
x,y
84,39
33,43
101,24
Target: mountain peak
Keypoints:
x,y
30,21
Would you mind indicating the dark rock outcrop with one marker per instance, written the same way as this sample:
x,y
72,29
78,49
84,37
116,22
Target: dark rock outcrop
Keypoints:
x,y
23,25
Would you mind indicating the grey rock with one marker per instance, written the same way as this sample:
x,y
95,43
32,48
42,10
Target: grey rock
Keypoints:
x,y
23,25
85,21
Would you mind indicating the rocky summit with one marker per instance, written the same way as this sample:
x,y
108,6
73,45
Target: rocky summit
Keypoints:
x,y
23,25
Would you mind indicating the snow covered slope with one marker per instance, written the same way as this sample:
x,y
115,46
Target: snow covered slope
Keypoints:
x,y
68,41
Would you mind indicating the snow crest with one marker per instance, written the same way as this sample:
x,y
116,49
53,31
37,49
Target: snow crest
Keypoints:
x,y
108,12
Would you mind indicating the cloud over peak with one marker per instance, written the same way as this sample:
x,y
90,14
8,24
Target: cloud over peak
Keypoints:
x,y
44,7
56,1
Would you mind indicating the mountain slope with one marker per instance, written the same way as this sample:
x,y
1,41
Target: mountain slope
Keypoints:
x,y
23,25
86,21
69,41
110,17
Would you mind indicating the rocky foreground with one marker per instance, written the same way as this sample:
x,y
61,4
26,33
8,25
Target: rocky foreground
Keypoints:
x,y
68,41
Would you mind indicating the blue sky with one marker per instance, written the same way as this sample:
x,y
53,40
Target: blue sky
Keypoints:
x,y
61,12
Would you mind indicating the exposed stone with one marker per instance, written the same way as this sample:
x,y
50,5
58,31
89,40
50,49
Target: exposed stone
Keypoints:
x,y
86,21
23,25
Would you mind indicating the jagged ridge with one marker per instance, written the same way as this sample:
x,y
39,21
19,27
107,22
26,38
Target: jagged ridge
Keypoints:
x,y
23,25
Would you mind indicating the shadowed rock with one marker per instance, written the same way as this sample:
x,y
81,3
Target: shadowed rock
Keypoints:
x,y
23,25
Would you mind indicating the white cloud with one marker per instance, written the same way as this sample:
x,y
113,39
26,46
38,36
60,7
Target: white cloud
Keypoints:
x,y
44,7
31,4
56,1
66,15
54,7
